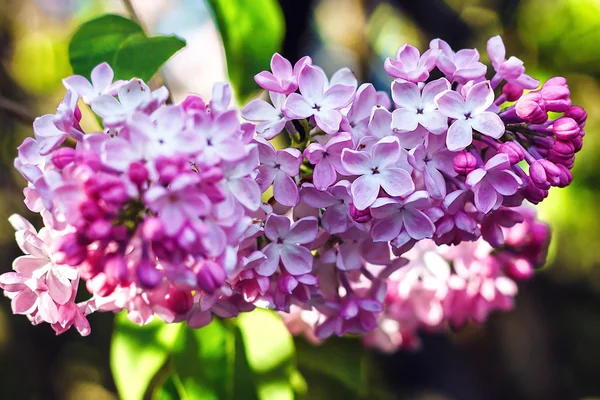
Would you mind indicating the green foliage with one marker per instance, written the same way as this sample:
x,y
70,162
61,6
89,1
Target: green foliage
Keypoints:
x,y
123,44
251,357
251,32
142,56
138,353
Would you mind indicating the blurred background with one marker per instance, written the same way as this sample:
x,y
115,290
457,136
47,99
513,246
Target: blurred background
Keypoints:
x,y
547,348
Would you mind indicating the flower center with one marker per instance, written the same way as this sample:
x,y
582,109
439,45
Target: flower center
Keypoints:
x,y
375,170
317,107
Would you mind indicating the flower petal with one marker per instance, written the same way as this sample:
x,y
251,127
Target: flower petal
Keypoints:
x,y
396,182
364,191
297,260
303,231
417,224
285,189
460,135
489,124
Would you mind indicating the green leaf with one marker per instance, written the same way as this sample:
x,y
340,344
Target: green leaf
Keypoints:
x,y
204,365
98,40
137,353
142,56
337,359
251,32
269,349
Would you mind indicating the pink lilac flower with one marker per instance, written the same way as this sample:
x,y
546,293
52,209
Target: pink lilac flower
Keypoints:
x,y
469,114
492,182
394,215
271,118
410,65
101,83
511,70
283,79
335,201
376,170
134,95
417,107
462,66
316,99
286,246
433,161
327,159
279,168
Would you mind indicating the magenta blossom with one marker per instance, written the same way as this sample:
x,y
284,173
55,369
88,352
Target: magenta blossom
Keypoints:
x,y
416,107
283,79
279,168
286,246
470,114
317,100
271,118
492,182
327,159
102,83
462,66
410,65
394,215
511,70
377,170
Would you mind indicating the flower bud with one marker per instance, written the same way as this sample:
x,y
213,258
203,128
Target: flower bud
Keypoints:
x,y
531,108
512,91
153,229
511,149
555,93
578,114
89,158
210,276
563,148
566,177
148,275
360,216
577,143
138,173
211,174
115,269
565,128
544,174
99,229
179,301
193,103
464,163
63,157
532,193
558,159
519,268
72,251
90,210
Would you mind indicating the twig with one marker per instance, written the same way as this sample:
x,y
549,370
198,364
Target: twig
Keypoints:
x,y
17,110
158,79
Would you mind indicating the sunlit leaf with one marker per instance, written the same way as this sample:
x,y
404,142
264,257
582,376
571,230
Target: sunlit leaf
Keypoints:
x,y
204,365
142,56
98,40
268,342
137,353
251,32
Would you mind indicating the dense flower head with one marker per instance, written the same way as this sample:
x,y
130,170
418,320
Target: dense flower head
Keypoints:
x,y
382,217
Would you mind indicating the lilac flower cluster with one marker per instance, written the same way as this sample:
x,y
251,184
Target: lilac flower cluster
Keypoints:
x,y
380,217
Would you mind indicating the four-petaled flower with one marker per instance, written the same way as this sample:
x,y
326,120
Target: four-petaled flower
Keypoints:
x,y
492,182
469,113
318,100
377,170
286,246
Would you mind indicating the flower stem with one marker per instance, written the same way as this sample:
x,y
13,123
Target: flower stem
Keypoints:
x,y
16,110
